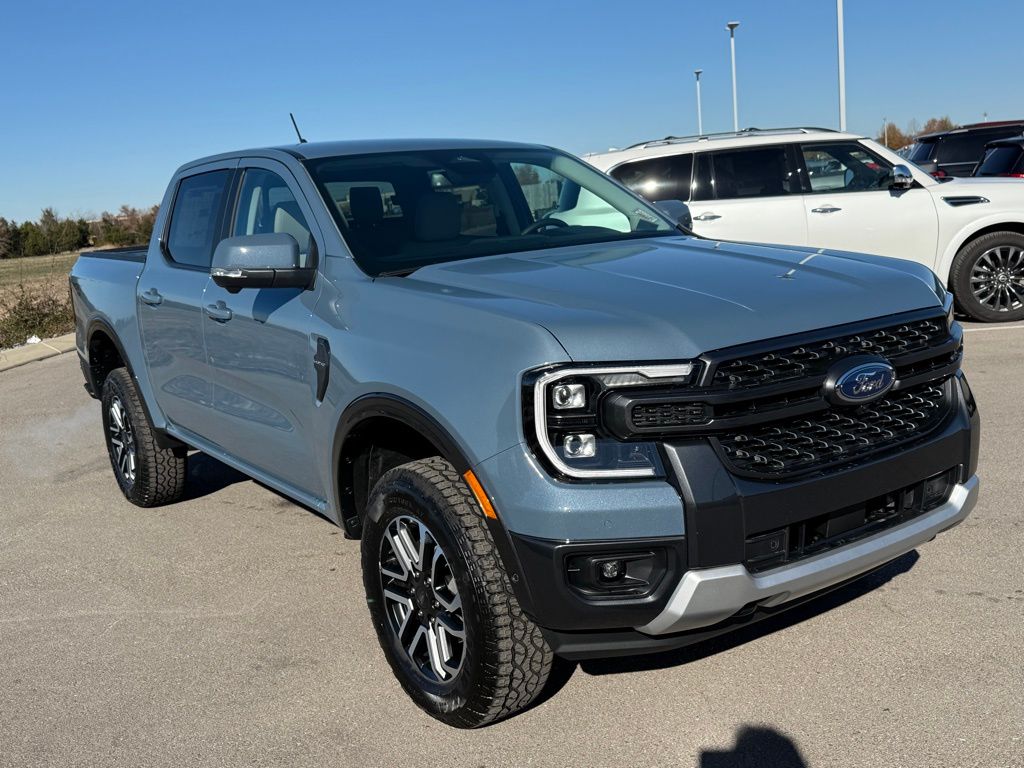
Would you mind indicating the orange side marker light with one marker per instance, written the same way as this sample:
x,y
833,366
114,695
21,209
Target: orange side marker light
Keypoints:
x,y
480,494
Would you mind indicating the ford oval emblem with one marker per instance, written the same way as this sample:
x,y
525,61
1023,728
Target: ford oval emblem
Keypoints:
x,y
859,380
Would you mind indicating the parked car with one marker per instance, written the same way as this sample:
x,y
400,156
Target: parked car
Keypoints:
x,y
560,424
957,151
1003,158
816,187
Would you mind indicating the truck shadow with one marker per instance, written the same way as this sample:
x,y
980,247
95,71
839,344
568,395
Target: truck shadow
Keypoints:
x,y
756,746
563,670
207,475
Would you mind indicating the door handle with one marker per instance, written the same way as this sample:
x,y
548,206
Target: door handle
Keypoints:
x,y
152,297
826,209
707,217
218,312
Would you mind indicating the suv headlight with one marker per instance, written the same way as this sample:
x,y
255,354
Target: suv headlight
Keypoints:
x,y
569,418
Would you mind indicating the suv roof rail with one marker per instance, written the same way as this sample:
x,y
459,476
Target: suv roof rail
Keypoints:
x,y
752,131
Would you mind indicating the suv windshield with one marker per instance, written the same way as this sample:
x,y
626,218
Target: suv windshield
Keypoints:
x,y
399,211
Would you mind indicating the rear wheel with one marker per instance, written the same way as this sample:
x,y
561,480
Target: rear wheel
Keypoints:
x,y
147,474
988,277
441,602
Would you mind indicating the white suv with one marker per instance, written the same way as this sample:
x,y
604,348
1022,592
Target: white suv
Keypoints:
x,y
820,188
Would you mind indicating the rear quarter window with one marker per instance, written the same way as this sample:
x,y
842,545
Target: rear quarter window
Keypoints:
x,y
196,218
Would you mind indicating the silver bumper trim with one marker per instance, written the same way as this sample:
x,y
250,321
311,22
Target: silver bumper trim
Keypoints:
x,y
707,596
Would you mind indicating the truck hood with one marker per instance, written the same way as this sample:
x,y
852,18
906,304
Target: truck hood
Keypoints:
x,y
670,298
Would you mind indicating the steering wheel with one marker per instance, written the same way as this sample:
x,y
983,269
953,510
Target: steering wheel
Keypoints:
x,y
543,224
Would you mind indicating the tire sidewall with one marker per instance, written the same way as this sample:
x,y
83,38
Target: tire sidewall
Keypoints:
x,y
113,388
961,277
402,493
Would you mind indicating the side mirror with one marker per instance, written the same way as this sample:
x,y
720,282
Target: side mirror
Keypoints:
x,y
259,261
902,178
678,211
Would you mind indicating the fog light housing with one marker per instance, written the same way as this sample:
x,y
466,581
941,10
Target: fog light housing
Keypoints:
x,y
565,396
936,490
579,446
616,573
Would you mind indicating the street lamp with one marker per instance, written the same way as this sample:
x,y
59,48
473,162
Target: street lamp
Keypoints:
x,y
731,26
842,65
700,122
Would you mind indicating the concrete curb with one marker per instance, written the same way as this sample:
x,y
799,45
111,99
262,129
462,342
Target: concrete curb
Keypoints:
x,y
29,353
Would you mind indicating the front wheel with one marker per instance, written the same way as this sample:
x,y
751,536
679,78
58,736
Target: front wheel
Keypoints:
x,y
441,602
988,277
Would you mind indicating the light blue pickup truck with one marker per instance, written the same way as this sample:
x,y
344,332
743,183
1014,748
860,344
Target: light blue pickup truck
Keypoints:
x,y
560,423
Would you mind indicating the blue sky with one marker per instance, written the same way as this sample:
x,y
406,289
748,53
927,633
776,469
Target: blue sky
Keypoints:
x,y
102,100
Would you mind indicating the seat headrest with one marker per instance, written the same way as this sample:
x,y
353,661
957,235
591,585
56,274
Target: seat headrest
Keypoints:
x,y
366,205
438,217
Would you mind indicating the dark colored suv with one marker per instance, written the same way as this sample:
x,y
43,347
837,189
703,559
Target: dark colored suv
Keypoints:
x,y
1003,158
956,152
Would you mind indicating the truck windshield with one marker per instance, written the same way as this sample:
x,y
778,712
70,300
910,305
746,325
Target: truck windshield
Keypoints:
x,y
400,211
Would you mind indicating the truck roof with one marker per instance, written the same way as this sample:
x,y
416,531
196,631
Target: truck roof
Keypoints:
x,y
318,149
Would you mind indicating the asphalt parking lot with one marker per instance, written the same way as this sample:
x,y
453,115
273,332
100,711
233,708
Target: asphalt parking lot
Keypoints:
x,y
230,629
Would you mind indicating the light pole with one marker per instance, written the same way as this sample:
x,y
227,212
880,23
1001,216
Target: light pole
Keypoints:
x,y
842,65
731,26
885,130
700,122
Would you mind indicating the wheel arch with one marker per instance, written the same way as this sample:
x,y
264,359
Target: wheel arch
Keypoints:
x,y
969,234
102,341
373,410
383,419
105,353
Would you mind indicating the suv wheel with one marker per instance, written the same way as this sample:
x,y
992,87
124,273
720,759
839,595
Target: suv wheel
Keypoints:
x,y
441,602
147,474
988,277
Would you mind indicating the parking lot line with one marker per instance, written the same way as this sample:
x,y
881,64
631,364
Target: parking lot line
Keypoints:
x,y
995,328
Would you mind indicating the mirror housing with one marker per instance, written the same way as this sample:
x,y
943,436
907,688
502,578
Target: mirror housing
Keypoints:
x,y
902,178
677,211
260,261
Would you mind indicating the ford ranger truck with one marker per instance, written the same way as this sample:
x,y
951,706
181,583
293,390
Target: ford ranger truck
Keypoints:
x,y
560,423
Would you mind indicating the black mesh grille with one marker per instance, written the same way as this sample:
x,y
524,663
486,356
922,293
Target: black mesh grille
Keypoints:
x,y
663,415
813,359
837,436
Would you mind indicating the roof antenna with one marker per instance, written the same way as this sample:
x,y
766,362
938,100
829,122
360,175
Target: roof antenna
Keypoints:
x,y
301,140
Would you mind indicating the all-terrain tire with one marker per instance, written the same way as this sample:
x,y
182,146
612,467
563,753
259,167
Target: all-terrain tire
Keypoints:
x,y
147,474
995,257
506,661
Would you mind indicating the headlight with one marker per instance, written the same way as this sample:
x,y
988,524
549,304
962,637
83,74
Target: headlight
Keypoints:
x,y
947,304
570,417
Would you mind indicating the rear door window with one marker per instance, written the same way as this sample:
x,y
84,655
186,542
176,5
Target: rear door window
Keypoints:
x,y
660,178
761,172
196,218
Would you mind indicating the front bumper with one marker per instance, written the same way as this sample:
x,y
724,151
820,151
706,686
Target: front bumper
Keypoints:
x,y
701,523
707,596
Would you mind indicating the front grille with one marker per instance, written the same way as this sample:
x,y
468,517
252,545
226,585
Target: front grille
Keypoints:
x,y
813,359
837,436
821,533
